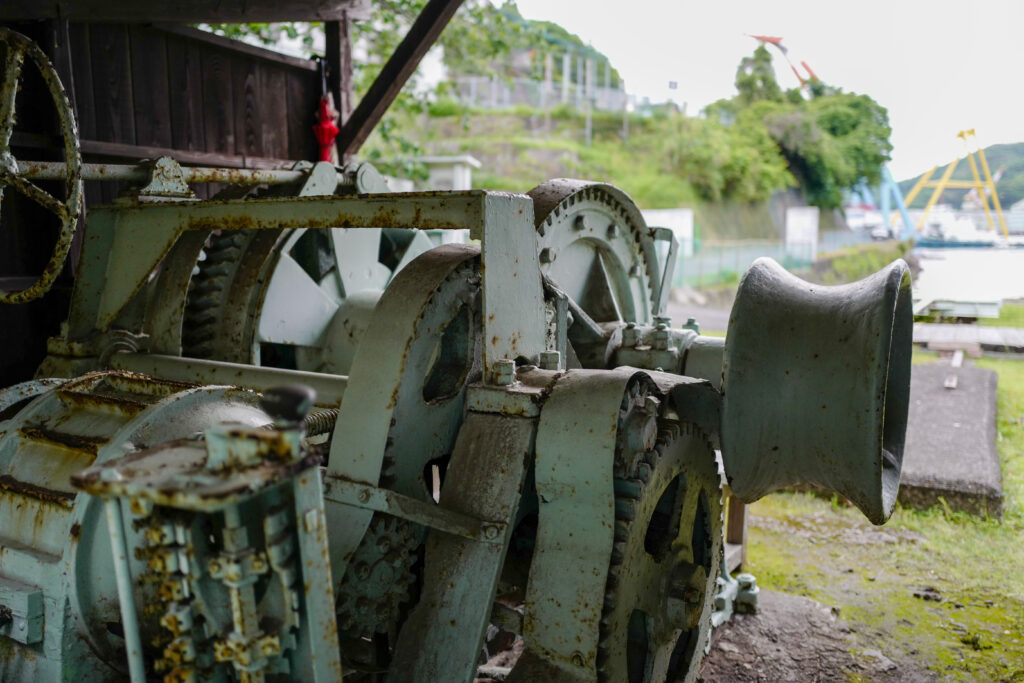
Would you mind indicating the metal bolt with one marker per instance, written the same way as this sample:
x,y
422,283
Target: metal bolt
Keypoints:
x,y
364,495
547,255
583,222
384,544
577,658
661,338
746,581
490,531
504,372
363,570
550,360
662,320
613,231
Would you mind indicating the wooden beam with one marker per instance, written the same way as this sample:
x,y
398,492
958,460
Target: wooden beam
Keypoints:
x,y
424,32
136,153
736,530
238,46
339,65
183,11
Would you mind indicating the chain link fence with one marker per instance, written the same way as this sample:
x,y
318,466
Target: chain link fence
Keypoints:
x,y
725,261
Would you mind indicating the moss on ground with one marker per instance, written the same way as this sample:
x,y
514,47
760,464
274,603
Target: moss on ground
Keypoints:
x,y
935,587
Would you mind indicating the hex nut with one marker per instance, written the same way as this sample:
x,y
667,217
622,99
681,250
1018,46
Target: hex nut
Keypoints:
x,y
504,371
550,360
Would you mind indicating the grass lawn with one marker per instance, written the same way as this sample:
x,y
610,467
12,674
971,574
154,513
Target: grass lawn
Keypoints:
x,y
973,568
1010,315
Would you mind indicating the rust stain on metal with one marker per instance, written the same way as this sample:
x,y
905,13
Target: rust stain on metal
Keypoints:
x,y
78,442
61,498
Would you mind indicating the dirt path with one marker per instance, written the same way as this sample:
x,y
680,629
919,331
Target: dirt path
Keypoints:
x,y
798,639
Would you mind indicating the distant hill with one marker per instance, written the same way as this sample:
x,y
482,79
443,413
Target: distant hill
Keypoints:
x,y
1010,187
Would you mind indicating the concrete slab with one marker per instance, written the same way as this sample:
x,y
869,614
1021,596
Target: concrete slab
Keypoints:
x,y
940,337
951,440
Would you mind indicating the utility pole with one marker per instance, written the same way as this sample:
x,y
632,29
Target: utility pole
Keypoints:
x,y
588,95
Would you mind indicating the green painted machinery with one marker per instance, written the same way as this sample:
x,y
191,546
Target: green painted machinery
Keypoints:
x,y
284,437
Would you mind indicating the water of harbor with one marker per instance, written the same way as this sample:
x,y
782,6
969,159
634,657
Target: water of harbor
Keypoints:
x,y
983,274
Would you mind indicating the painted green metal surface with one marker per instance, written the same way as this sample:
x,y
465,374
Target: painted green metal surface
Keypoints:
x,y
816,384
520,441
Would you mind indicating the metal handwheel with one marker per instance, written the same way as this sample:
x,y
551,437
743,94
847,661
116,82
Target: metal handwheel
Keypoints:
x,y
16,48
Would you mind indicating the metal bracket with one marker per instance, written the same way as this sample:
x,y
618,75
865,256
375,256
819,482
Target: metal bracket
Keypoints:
x,y
354,494
22,606
661,296
165,182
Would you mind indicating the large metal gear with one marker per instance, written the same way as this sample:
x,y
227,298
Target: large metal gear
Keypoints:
x,y
379,579
667,552
594,244
298,299
425,346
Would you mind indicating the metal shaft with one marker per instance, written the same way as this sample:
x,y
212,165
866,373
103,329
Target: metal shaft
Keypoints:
x,y
329,388
129,618
57,170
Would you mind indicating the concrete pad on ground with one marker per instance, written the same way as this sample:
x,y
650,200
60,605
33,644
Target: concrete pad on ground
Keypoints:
x,y
951,440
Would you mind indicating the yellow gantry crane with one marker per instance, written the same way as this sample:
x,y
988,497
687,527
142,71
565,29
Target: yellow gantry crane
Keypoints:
x,y
983,187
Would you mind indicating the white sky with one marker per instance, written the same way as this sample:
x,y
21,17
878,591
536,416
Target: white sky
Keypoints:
x,y
938,66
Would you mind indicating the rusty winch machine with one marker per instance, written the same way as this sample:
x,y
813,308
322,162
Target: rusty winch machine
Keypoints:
x,y
283,436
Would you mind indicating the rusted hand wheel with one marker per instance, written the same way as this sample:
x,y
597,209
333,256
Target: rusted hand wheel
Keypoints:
x,y
15,48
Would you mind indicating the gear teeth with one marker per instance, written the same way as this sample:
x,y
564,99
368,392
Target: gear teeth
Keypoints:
x,y
625,509
629,534
618,552
628,488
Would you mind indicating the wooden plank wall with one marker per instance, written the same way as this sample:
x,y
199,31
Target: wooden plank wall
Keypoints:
x,y
140,91
176,89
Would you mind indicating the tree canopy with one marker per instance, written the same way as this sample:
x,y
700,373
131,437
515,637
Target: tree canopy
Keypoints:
x,y
827,142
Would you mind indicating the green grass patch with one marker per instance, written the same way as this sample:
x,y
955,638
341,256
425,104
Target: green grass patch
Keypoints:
x,y
826,550
855,263
1010,315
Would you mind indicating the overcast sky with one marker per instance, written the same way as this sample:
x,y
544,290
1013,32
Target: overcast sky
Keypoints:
x,y
938,66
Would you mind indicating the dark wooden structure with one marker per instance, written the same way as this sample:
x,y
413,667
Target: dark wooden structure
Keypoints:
x,y
142,88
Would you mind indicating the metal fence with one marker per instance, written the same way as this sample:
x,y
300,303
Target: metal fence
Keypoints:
x,y
719,262
483,92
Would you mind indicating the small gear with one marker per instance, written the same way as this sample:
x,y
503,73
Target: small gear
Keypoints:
x,y
665,559
378,579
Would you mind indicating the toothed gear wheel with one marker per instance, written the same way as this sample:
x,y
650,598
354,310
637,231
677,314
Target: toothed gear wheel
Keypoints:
x,y
594,244
666,557
378,579
207,293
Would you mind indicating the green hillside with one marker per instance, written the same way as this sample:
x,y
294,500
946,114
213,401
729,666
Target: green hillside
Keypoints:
x,y
1010,187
